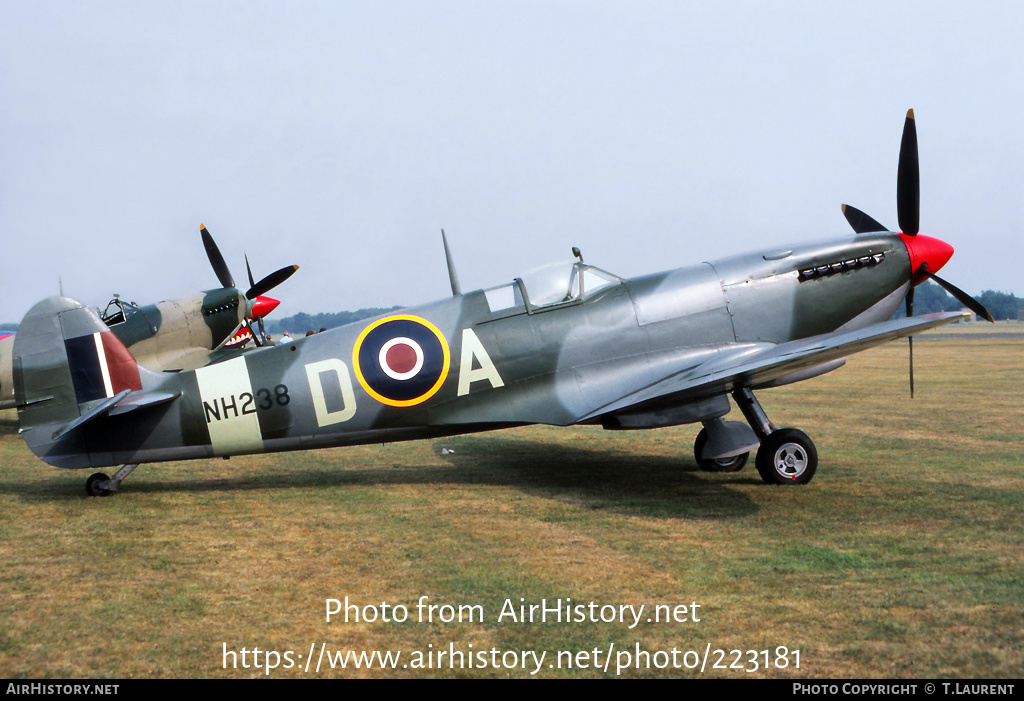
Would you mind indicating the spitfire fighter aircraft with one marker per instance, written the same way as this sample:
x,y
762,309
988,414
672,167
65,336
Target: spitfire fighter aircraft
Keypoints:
x,y
183,333
583,346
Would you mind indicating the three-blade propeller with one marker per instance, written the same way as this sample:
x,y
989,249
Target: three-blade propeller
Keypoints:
x,y
255,288
908,209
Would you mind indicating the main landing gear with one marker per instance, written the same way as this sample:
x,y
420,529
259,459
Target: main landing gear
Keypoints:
x,y
785,455
99,485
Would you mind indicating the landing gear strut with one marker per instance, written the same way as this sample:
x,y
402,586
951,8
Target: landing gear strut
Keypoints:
x,y
786,455
99,485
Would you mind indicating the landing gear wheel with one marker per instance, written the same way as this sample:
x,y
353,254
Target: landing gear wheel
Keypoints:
x,y
787,456
730,464
92,487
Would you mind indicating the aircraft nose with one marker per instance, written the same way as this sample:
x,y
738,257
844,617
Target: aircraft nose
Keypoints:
x,y
926,250
263,305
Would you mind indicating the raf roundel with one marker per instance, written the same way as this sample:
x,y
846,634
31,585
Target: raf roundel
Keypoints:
x,y
401,360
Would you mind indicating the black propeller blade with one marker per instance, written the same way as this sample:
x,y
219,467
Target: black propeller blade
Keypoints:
x,y
271,281
248,270
259,340
958,294
908,179
216,259
861,223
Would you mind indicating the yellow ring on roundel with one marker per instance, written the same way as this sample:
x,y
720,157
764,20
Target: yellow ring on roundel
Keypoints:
x,y
402,402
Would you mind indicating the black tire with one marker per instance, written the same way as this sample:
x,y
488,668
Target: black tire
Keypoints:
x,y
787,456
732,464
92,487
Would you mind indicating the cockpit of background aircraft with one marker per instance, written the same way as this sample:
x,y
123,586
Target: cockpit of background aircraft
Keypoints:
x,y
118,311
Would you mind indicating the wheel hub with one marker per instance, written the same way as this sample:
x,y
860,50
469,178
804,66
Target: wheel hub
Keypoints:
x,y
790,460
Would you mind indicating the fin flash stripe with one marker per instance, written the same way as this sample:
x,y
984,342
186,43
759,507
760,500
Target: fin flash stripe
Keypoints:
x,y
100,366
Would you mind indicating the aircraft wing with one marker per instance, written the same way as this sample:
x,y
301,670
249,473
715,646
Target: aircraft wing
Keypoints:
x,y
759,364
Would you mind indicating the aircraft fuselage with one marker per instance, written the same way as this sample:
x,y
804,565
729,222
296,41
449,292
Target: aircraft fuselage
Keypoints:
x,y
468,363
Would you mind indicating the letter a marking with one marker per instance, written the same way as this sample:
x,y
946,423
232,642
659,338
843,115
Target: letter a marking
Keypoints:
x,y
473,349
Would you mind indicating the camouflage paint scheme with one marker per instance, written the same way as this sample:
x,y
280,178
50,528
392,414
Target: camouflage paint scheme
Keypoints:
x,y
657,350
176,334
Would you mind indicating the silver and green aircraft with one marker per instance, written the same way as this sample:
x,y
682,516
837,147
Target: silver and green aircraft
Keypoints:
x,y
575,345
183,333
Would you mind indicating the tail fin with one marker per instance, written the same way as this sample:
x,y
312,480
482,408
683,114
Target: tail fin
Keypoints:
x,y
69,368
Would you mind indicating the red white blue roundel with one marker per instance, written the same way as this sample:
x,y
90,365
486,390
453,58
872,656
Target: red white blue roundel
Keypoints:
x,y
401,360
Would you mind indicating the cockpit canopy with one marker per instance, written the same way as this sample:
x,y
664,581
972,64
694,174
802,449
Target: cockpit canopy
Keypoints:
x,y
558,283
550,286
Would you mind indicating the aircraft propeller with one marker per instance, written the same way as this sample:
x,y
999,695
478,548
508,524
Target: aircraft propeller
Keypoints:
x,y
256,290
922,249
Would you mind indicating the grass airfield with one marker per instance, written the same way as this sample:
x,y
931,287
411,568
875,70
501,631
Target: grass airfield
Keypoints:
x,y
903,558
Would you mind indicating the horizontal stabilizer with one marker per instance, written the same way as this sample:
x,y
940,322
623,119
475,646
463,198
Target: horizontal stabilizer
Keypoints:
x,y
121,403
142,400
97,411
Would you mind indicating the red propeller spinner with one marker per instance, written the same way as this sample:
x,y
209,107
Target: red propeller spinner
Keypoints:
x,y
263,305
926,250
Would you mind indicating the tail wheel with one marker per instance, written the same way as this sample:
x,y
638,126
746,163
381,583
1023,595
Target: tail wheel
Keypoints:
x,y
787,456
731,464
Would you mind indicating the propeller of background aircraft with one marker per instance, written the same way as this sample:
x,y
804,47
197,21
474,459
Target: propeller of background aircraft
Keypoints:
x,y
927,254
261,304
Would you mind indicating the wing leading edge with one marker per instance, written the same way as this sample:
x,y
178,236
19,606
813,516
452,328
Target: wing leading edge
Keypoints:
x,y
752,366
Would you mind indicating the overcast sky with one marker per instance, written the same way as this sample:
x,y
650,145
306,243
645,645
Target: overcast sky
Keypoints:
x,y
342,136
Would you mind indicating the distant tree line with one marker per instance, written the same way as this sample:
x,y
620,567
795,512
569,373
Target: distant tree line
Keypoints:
x,y
299,324
929,298
1002,305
